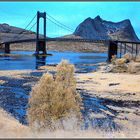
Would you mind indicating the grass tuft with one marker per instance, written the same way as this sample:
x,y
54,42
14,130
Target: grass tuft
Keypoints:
x,y
54,100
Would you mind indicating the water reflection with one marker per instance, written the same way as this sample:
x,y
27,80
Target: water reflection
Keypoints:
x,y
40,61
21,60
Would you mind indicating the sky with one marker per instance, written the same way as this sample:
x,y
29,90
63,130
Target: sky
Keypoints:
x,y
71,14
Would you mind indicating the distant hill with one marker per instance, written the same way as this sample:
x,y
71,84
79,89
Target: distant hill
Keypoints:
x,y
98,28
8,32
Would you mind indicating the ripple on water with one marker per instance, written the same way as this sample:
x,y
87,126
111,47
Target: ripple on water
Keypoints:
x,y
25,60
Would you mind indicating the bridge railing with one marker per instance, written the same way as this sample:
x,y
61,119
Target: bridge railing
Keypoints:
x,y
119,48
132,48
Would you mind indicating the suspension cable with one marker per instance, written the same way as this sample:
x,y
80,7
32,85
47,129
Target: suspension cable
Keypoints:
x,y
29,30
30,22
59,25
20,33
60,22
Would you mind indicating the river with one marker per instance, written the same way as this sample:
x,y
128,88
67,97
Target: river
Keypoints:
x,y
21,60
17,98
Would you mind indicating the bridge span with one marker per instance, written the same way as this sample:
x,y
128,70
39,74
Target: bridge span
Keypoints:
x,y
113,45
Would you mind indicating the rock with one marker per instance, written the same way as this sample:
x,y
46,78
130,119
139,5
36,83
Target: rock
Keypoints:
x,y
113,84
119,69
107,68
134,67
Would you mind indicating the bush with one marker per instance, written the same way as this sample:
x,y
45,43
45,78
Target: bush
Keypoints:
x,y
120,61
128,57
54,99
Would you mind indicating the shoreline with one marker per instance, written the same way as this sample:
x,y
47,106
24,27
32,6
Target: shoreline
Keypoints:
x,y
74,51
98,81
120,106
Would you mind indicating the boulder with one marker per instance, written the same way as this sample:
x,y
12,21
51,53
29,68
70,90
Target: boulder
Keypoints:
x,y
108,68
119,69
134,67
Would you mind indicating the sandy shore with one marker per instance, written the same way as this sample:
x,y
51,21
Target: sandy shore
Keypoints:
x,y
118,86
120,93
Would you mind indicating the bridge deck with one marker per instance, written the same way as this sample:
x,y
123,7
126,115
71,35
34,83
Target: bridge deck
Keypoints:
x,y
56,39
70,40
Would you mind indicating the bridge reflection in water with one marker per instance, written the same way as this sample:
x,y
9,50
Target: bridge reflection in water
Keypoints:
x,y
40,61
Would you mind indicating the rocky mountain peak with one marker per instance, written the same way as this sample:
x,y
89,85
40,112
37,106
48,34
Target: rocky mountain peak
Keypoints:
x,y
98,28
89,19
97,18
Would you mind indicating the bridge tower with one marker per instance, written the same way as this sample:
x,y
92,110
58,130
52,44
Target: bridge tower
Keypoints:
x,y
41,42
112,49
7,48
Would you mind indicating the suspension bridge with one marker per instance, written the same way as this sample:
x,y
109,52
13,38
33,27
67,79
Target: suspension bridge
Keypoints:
x,y
40,40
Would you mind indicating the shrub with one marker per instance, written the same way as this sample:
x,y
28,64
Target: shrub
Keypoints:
x,y
118,65
120,61
54,99
128,57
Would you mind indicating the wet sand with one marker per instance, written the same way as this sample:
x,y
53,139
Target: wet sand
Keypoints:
x,y
119,94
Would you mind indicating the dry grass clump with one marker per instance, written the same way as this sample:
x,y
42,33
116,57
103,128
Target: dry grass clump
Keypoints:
x,y
120,61
134,67
127,63
54,99
118,65
128,57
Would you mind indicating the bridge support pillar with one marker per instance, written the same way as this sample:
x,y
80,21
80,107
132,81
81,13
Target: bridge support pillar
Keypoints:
x,y
7,48
41,42
40,61
112,49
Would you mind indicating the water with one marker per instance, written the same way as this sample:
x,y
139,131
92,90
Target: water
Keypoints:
x,y
17,98
95,116
25,60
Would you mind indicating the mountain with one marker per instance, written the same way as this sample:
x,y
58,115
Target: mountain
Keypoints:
x,y
8,33
98,28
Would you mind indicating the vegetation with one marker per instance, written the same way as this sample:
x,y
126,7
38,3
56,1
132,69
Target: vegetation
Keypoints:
x,y
54,99
128,63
